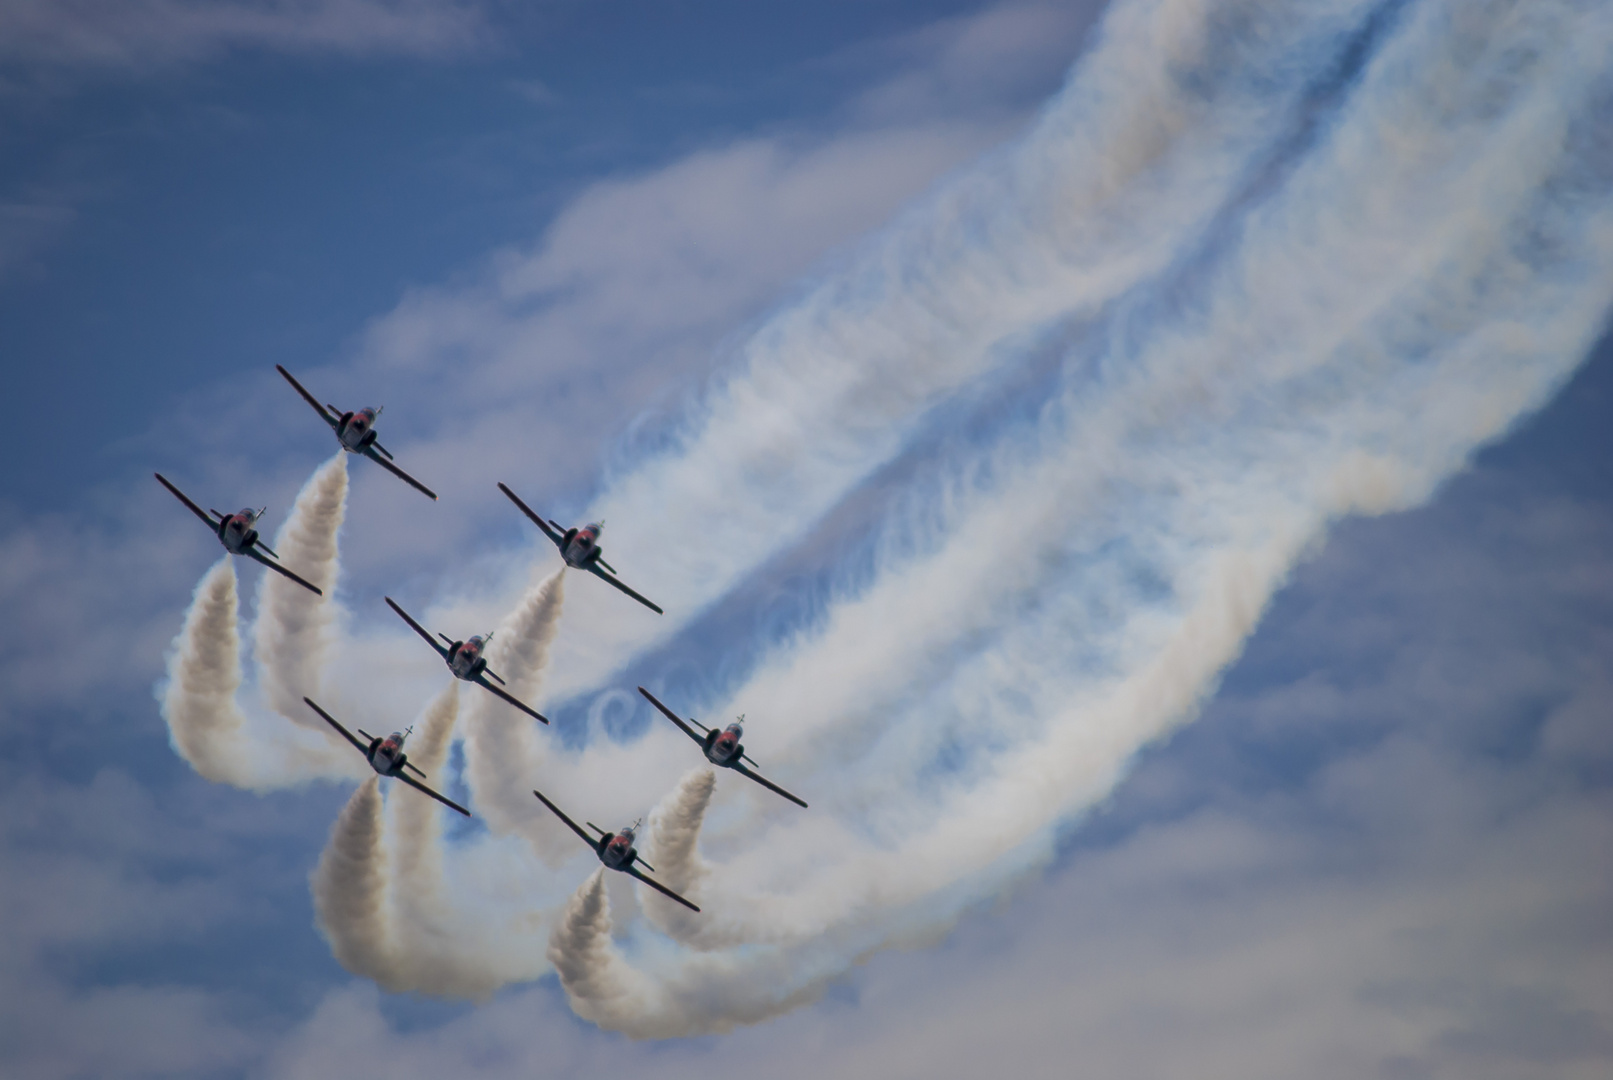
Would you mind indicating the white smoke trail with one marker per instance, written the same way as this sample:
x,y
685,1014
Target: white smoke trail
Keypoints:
x,y
206,722
1069,588
601,985
1160,124
292,636
349,890
1164,498
204,674
673,849
503,747
440,947
425,955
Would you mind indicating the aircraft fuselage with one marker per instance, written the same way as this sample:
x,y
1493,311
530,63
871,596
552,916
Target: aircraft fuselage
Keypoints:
x,y
580,547
387,756
236,533
465,659
617,852
724,747
356,430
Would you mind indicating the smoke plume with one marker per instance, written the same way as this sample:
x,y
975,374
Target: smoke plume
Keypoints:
x,y
204,674
1179,106
504,747
292,637
349,890
600,984
673,849
440,949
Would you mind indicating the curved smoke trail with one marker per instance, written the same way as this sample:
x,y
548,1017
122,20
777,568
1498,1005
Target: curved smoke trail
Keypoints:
x,y
201,703
349,890
602,987
1163,123
673,849
425,954
204,675
503,747
1429,274
292,636
440,948
1216,349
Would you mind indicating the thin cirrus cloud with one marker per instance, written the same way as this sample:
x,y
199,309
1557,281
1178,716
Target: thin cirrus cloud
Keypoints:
x,y
138,36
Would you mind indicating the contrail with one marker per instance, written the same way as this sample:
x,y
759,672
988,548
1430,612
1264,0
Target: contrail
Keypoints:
x,y
204,674
349,891
1216,351
425,955
442,948
448,941
292,636
503,747
1431,273
1159,126
600,984
201,703
673,849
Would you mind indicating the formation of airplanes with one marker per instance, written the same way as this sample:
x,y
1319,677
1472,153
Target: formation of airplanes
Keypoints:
x,y
466,658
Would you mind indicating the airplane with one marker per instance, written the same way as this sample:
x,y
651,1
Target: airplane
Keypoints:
x,y
616,850
722,748
386,756
356,432
579,548
237,534
465,660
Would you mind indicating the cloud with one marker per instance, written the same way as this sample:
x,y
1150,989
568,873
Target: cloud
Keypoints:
x,y
139,36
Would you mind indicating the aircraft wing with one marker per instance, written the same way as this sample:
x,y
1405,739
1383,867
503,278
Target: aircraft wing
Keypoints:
x,y
369,452
765,782
180,495
421,630
511,699
658,887
597,572
589,840
418,786
324,415
672,716
331,720
557,539
253,553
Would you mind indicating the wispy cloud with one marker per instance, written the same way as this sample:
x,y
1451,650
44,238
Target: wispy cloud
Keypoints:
x,y
137,36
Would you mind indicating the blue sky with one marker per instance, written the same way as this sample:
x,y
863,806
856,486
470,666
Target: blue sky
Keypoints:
x,y
1256,433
